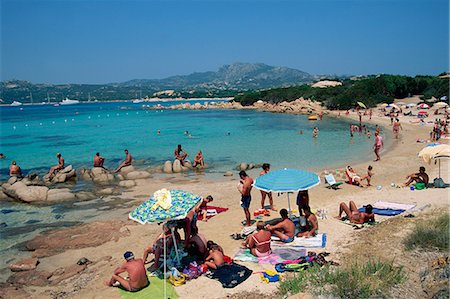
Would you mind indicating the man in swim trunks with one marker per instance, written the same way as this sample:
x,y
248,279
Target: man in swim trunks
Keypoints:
x,y
127,162
420,177
246,198
14,170
259,241
312,225
98,160
283,229
58,167
354,215
266,168
137,275
180,154
302,200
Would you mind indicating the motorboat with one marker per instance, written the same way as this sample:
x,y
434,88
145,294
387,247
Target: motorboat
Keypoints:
x,y
16,103
67,101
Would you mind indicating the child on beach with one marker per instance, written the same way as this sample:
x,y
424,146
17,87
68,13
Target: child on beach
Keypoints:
x,y
215,258
369,175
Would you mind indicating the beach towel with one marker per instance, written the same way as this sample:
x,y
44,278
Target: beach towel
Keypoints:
x,y
154,290
393,205
212,211
278,255
230,275
318,241
383,212
357,225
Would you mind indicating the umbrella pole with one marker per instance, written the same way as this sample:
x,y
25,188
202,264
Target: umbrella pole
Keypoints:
x,y
165,270
289,206
175,244
439,168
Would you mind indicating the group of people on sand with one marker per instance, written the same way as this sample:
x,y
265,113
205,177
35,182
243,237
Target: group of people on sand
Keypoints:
x,y
195,244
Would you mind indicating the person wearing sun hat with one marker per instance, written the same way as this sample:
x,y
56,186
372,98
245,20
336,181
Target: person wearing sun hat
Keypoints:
x,y
137,275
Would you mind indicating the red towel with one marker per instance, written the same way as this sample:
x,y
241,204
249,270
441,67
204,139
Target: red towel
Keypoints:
x,y
218,210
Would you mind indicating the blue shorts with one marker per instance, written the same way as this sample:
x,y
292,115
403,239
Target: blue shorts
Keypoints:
x,y
245,201
288,240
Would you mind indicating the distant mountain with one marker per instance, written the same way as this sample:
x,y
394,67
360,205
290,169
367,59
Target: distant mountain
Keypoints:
x,y
237,76
229,80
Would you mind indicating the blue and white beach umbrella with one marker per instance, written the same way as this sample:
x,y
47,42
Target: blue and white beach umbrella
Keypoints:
x,y
287,180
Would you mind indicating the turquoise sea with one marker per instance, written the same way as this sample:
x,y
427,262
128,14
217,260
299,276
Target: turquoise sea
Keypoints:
x,y
33,134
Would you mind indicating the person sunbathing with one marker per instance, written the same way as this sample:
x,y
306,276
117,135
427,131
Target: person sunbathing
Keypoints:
x,y
259,241
283,229
137,276
312,225
420,177
355,179
215,258
158,247
354,215
202,208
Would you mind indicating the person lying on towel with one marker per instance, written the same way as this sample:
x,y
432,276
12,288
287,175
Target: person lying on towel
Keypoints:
x,y
284,228
312,225
354,215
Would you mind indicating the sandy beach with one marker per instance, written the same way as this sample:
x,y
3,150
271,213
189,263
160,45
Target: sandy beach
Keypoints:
x,y
397,161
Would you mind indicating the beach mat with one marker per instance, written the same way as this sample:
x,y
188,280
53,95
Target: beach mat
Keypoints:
x,y
383,212
230,275
278,255
318,241
358,226
154,290
212,211
393,205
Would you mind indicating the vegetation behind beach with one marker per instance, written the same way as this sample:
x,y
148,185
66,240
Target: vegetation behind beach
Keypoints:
x,y
372,91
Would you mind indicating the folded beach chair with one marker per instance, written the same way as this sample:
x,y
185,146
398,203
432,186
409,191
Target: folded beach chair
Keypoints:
x,y
331,181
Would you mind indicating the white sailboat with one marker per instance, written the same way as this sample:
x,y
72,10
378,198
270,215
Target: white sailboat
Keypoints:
x,y
140,100
16,103
67,101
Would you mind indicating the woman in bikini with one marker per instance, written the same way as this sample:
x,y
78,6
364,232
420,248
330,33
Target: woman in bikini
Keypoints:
x,y
259,242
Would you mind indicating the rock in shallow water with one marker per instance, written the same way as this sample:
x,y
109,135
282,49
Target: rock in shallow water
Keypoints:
x,y
24,265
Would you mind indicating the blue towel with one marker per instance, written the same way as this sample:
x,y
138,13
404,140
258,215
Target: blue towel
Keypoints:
x,y
383,212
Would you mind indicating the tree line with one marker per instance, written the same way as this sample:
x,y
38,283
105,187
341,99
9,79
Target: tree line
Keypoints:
x,y
371,90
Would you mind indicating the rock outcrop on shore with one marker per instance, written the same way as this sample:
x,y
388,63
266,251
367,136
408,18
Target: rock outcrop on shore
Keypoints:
x,y
97,175
62,176
299,106
176,166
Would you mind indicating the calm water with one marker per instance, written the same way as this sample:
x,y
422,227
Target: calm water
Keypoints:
x,y
34,134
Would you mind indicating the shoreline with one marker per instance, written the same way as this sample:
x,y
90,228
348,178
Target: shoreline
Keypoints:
x,y
226,195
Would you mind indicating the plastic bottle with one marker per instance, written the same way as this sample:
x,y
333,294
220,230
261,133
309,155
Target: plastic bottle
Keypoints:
x,y
379,187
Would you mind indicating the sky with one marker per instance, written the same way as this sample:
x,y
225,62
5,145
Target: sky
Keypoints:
x,y
77,41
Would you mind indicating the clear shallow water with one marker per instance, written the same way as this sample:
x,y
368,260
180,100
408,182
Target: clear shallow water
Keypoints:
x,y
32,136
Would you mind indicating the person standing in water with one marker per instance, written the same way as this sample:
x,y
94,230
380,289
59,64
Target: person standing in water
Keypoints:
x,y
315,132
266,169
378,145
396,127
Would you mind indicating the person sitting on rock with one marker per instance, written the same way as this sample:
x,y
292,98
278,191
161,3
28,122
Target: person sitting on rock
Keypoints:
x,y
14,170
198,160
137,275
98,160
58,167
180,154
127,162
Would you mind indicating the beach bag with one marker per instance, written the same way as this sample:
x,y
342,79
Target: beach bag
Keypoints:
x,y
419,186
439,183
